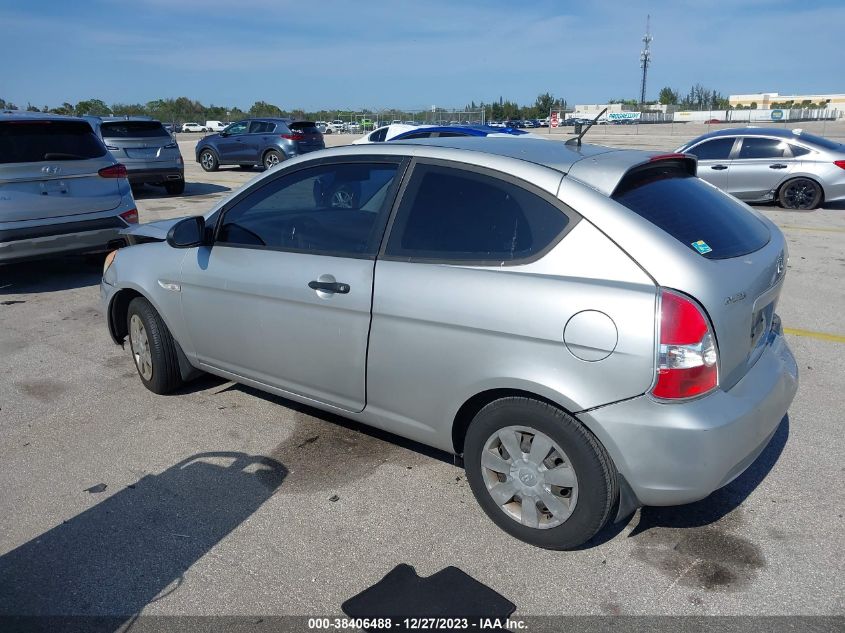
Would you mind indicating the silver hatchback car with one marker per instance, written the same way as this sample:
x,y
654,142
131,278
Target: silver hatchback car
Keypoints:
x,y
790,167
591,329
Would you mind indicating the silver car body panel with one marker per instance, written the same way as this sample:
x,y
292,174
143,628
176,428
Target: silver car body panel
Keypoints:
x,y
440,334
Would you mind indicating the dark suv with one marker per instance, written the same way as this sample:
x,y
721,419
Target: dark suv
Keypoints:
x,y
148,150
258,142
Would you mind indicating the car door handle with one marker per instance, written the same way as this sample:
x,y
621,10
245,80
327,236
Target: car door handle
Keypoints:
x,y
778,166
329,286
719,167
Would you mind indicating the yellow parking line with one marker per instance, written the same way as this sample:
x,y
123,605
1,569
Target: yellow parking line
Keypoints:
x,y
822,336
789,227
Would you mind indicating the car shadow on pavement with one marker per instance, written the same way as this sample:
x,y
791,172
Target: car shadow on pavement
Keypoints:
x,y
133,548
51,274
148,192
709,510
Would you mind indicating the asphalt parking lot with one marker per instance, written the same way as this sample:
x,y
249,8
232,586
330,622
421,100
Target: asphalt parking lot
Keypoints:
x,y
224,500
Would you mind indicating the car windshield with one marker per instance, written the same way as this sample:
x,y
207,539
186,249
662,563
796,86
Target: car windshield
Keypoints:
x,y
692,211
34,141
132,129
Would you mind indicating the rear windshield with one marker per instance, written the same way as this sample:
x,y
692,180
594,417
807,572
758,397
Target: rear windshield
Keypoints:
x,y
696,214
306,127
36,141
132,129
818,140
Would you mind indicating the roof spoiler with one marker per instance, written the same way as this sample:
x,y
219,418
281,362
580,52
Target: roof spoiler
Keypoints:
x,y
576,140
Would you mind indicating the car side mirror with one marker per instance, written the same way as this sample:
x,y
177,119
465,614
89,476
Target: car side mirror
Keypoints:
x,y
224,133
187,233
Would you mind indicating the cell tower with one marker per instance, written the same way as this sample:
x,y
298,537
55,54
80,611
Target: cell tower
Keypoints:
x,y
645,56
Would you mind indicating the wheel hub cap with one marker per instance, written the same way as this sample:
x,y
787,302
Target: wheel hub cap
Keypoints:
x,y
529,477
140,344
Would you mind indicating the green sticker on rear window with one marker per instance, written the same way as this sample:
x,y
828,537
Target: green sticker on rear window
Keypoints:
x,y
701,246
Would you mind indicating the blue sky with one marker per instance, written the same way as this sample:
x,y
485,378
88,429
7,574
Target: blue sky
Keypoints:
x,y
392,53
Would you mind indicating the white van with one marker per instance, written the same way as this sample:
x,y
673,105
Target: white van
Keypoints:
x,y
214,126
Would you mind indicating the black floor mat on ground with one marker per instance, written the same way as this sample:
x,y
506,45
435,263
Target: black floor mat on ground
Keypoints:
x,y
450,593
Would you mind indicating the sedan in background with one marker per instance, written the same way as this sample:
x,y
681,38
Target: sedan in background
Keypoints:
x,y
60,189
146,148
252,142
795,169
554,314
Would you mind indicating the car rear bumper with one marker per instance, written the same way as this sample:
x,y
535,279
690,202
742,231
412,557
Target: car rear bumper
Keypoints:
x,y
17,244
154,174
675,453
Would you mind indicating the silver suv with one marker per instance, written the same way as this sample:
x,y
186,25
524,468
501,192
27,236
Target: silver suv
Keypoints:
x,y
148,150
60,189
591,329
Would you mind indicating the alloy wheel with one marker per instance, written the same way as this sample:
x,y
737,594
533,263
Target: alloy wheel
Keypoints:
x,y
801,193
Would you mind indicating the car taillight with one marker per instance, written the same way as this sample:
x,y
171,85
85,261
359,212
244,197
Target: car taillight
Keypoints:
x,y
113,171
687,357
296,136
839,163
130,217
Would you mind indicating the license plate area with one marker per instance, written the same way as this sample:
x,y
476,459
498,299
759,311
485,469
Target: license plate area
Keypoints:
x,y
142,152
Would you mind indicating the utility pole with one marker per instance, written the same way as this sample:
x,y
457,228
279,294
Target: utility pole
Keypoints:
x,y
645,57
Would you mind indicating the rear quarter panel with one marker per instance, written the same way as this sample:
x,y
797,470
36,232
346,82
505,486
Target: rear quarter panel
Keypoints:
x,y
444,333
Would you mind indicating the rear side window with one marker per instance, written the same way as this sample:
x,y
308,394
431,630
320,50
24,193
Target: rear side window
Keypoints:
x,y
36,141
797,150
456,215
692,211
763,148
717,149
133,129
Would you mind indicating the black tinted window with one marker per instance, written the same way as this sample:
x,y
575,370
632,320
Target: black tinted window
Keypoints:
x,y
379,135
306,127
451,214
717,149
333,209
417,135
132,129
690,210
762,148
797,150
34,141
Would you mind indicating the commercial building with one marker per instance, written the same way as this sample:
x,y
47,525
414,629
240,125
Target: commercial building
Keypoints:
x,y
765,100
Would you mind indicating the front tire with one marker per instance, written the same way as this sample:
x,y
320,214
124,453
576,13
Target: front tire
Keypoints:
x,y
538,473
800,194
153,348
208,160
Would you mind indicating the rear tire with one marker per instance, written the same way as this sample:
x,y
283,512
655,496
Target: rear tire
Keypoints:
x,y
800,194
153,348
558,488
272,158
175,187
208,160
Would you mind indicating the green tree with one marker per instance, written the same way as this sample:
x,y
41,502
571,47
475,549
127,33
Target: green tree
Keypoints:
x,y
264,109
92,106
668,96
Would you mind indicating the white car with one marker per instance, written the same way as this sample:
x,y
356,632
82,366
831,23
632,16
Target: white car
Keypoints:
x,y
384,133
215,126
336,126
193,127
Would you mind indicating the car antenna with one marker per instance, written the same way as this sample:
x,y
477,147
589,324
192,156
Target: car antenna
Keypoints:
x,y
576,140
